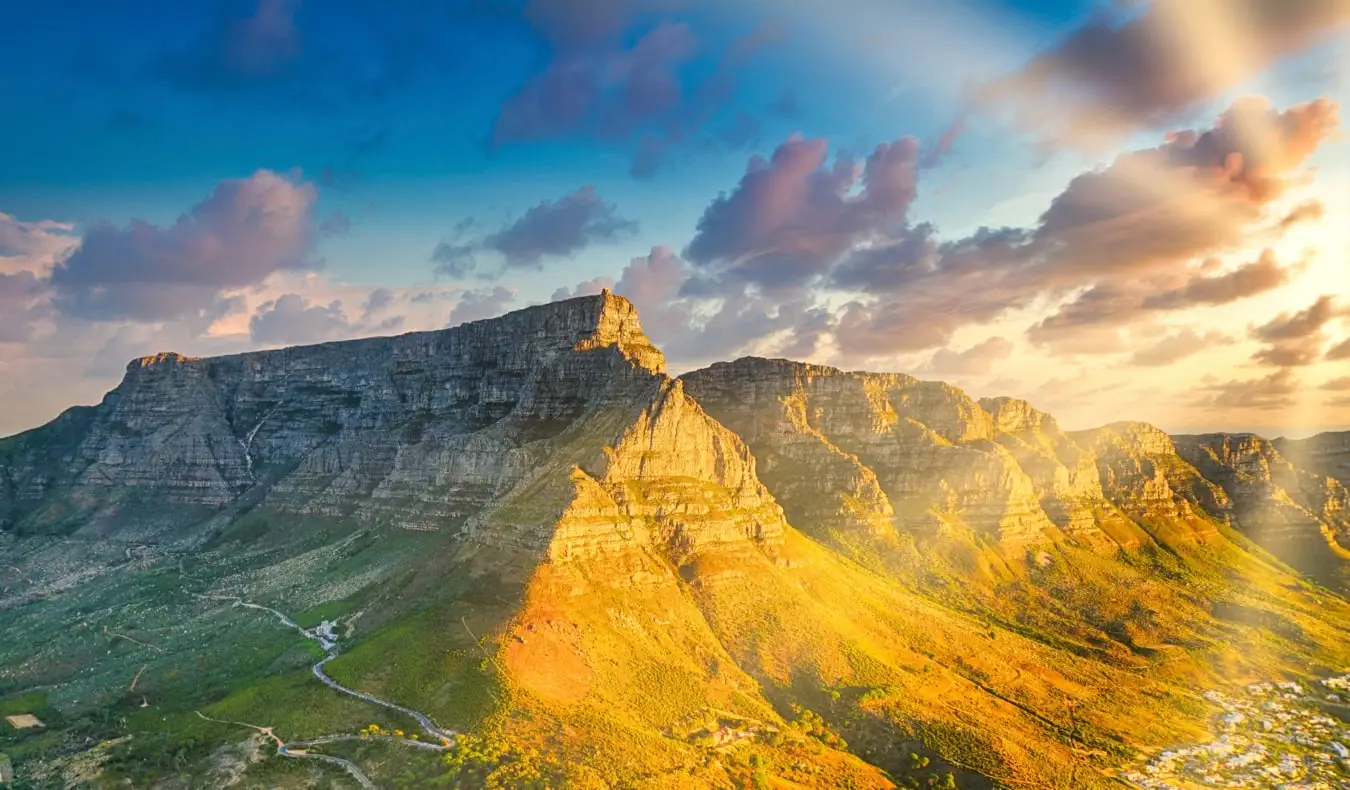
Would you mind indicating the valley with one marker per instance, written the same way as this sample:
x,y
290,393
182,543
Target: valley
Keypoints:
x,y
568,568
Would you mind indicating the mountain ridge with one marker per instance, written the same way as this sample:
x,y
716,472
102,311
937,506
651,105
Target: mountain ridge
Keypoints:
x,y
534,533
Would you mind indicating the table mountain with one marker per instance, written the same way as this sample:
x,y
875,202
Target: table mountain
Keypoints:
x,y
760,572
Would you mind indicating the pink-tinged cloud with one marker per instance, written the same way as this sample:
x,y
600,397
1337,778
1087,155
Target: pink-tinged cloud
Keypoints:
x,y
244,231
1114,76
292,319
791,217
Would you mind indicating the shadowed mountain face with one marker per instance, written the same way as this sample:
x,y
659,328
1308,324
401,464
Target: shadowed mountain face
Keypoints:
x,y
760,572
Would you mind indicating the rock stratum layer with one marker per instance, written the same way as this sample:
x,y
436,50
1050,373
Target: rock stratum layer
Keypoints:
x,y
794,549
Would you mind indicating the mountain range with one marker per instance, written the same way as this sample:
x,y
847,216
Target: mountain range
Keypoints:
x,y
763,573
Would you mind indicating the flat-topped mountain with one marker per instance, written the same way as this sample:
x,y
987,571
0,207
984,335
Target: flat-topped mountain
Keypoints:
x,y
762,573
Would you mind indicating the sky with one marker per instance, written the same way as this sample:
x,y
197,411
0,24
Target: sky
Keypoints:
x,y
1114,209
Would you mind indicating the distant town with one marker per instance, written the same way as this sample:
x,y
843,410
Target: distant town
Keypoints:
x,y
1276,735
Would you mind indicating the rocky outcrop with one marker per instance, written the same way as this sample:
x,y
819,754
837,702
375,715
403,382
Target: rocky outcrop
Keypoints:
x,y
1285,508
1142,475
1326,454
553,430
423,428
874,452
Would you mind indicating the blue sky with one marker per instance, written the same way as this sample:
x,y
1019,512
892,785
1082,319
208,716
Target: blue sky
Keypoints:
x,y
391,125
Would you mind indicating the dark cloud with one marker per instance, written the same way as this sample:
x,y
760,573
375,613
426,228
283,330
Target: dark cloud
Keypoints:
x,y
480,304
550,229
1119,73
791,217
596,83
978,360
292,319
1275,391
559,228
244,231
377,302
1341,384
611,92
455,259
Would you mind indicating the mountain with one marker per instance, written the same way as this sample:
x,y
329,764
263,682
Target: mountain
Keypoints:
x,y
764,573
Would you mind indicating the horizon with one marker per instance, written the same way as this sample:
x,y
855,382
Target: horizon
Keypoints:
x,y
970,194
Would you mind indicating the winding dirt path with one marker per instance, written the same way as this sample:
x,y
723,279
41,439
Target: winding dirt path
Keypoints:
x,y
298,749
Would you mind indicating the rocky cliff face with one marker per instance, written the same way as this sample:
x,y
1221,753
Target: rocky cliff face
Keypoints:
x,y
1326,454
499,426
1292,511
882,453
510,422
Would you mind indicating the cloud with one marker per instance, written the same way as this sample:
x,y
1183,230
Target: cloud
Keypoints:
x,y
1307,211
596,83
612,91
31,245
550,229
376,303
1341,384
480,304
1275,391
456,259
1177,346
259,49
1119,303
1119,73
1265,274
1114,240
1299,325
1295,339
292,319
559,228
1339,351
22,304
244,231
978,360
1198,192
589,288
790,217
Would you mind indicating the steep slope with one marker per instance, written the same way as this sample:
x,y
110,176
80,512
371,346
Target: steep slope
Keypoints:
x,y
1326,454
424,428
1134,549
761,574
1300,516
